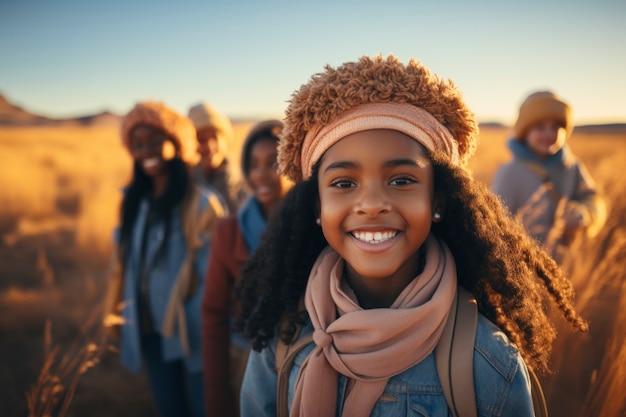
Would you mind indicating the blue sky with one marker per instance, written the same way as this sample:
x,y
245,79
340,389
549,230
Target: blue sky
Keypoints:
x,y
66,58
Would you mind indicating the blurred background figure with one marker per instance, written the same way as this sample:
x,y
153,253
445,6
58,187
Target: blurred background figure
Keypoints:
x,y
225,353
545,185
163,241
215,136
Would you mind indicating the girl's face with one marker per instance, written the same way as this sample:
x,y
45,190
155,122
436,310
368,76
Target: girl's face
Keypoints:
x,y
208,148
376,204
267,185
546,138
147,148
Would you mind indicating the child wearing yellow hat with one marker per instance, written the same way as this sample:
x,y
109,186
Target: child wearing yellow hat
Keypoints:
x,y
545,185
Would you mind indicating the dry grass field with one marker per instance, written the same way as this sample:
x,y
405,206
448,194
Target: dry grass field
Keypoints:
x,y
58,204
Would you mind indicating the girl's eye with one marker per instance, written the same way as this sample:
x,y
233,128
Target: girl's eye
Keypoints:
x,y
342,183
402,181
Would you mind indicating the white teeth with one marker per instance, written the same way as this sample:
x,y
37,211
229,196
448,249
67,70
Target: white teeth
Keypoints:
x,y
374,237
151,162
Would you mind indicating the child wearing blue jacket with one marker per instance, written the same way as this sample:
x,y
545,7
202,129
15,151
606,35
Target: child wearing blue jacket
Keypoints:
x,y
164,241
545,185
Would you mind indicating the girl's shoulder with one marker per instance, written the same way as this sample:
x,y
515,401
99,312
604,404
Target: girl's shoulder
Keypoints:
x,y
512,168
200,212
514,174
228,222
207,201
501,379
500,375
494,351
226,227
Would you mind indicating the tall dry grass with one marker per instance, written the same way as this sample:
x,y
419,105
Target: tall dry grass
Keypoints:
x,y
591,370
52,393
62,179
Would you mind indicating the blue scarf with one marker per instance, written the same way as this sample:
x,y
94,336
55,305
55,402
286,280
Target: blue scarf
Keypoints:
x,y
251,223
521,151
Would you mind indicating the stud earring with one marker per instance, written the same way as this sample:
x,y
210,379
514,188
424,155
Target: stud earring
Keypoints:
x,y
437,216
318,221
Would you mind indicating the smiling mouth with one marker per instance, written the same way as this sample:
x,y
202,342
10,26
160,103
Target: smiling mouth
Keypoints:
x,y
151,162
374,237
264,189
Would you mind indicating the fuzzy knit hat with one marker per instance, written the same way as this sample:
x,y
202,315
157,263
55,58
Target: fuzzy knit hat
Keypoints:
x,y
264,129
542,105
204,115
371,93
155,114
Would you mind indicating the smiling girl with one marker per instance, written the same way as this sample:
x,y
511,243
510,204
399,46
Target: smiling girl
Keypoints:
x,y
162,272
225,353
381,231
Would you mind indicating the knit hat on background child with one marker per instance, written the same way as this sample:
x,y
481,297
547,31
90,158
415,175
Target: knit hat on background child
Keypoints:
x,y
374,93
539,106
204,115
177,126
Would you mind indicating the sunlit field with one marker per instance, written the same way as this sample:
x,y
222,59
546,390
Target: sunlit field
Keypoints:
x,y
59,199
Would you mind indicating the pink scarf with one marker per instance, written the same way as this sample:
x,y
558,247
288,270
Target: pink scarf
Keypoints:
x,y
369,346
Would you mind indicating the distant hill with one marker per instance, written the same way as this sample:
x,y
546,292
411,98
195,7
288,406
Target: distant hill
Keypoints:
x,y
492,125
104,118
608,127
604,128
12,115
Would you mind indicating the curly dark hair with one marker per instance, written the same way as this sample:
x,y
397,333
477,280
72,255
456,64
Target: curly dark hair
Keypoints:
x,y
507,272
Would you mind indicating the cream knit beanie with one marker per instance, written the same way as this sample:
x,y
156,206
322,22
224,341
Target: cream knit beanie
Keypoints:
x,y
204,115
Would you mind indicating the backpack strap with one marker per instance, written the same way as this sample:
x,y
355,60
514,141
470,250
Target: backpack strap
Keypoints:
x,y
285,356
283,370
454,355
197,226
539,400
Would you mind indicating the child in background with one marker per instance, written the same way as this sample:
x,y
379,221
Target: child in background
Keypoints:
x,y
215,136
381,229
161,273
225,353
545,185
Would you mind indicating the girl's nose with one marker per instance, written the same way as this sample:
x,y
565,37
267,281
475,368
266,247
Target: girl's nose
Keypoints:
x,y
372,201
269,171
140,152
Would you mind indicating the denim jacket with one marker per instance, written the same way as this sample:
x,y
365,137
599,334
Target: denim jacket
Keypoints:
x,y
161,273
501,382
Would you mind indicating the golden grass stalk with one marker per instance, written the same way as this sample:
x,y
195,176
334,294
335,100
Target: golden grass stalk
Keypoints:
x,y
52,393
